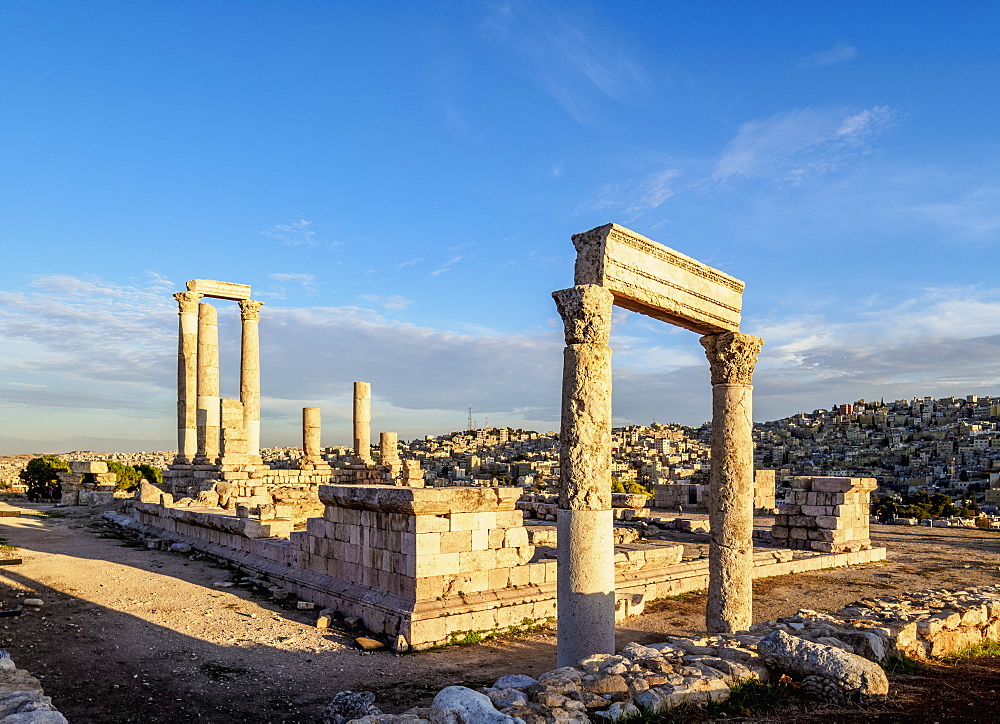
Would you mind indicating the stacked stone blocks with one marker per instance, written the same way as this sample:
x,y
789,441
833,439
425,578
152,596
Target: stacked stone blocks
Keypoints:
x,y
829,515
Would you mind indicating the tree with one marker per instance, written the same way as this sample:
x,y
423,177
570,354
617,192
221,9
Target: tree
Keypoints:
x,y
151,473
42,472
128,478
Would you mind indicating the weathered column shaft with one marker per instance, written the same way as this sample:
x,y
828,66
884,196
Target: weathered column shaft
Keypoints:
x,y
311,429
363,422
586,573
388,447
187,377
250,372
208,385
732,356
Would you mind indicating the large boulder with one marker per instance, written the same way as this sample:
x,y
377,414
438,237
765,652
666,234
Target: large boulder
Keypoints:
x,y
827,673
461,705
349,705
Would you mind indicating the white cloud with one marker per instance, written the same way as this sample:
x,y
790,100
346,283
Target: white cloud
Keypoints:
x,y
794,145
446,266
296,233
837,54
392,301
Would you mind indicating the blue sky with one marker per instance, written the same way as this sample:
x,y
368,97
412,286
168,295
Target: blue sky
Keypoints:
x,y
399,182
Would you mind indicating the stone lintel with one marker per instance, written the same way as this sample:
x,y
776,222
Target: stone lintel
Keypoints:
x,y
419,501
652,279
219,290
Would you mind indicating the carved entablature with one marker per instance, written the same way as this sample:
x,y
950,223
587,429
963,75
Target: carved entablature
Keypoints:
x,y
652,279
732,356
219,290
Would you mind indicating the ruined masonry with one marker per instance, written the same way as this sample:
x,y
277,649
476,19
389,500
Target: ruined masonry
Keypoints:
x,y
363,537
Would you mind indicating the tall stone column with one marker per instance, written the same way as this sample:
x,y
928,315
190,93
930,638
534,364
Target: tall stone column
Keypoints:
x,y
209,410
732,356
187,377
586,573
250,372
363,423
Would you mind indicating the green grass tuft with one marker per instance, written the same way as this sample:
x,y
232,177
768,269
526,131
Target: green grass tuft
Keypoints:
x,y
982,650
901,665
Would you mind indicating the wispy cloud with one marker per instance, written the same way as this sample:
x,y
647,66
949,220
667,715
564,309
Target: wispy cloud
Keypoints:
x,y
794,145
410,262
837,54
637,195
308,281
562,56
296,233
975,211
393,301
446,266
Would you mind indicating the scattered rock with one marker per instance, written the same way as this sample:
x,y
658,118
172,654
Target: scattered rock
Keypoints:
x,y
514,681
832,673
400,645
34,602
305,605
348,705
461,705
180,548
369,644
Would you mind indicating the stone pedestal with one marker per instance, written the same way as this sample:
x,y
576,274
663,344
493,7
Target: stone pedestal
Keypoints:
x,y
362,424
187,377
586,574
208,385
732,357
250,372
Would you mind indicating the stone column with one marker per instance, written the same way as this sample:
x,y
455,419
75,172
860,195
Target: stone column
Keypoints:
x,y
586,573
250,372
732,356
187,377
209,409
388,447
311,429
363,423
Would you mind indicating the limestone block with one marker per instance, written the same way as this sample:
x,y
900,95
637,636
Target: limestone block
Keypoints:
x,y
82,466
438,565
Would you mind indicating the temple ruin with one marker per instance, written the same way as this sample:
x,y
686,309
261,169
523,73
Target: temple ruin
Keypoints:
x,y
361,535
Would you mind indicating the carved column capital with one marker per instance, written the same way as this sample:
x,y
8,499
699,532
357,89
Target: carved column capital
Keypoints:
x,y
586,313
250,310
187,301
733,356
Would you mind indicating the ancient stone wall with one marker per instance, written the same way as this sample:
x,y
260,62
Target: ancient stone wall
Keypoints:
x,y
825,514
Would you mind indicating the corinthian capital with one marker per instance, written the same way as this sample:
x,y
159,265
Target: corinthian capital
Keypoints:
x,y
250,310
586,313
187,301
733,356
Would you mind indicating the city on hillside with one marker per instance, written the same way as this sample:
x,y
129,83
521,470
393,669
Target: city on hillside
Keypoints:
x,y
947,446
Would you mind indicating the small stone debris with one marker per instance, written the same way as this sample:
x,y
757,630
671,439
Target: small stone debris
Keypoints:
x,y
37,602
369,644
305,605
223,584
324,621
180,548
352,623
400,645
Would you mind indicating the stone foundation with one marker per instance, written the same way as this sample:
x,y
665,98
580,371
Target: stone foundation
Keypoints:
x,y
430,564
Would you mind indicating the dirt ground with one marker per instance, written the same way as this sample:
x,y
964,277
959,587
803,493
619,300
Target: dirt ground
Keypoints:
x,y
128,634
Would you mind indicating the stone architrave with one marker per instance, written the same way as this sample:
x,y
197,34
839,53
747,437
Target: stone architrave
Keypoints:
x,y
388,447
219,290
586,574
652,279
187,377
363,423
250,372
208,385
732,357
